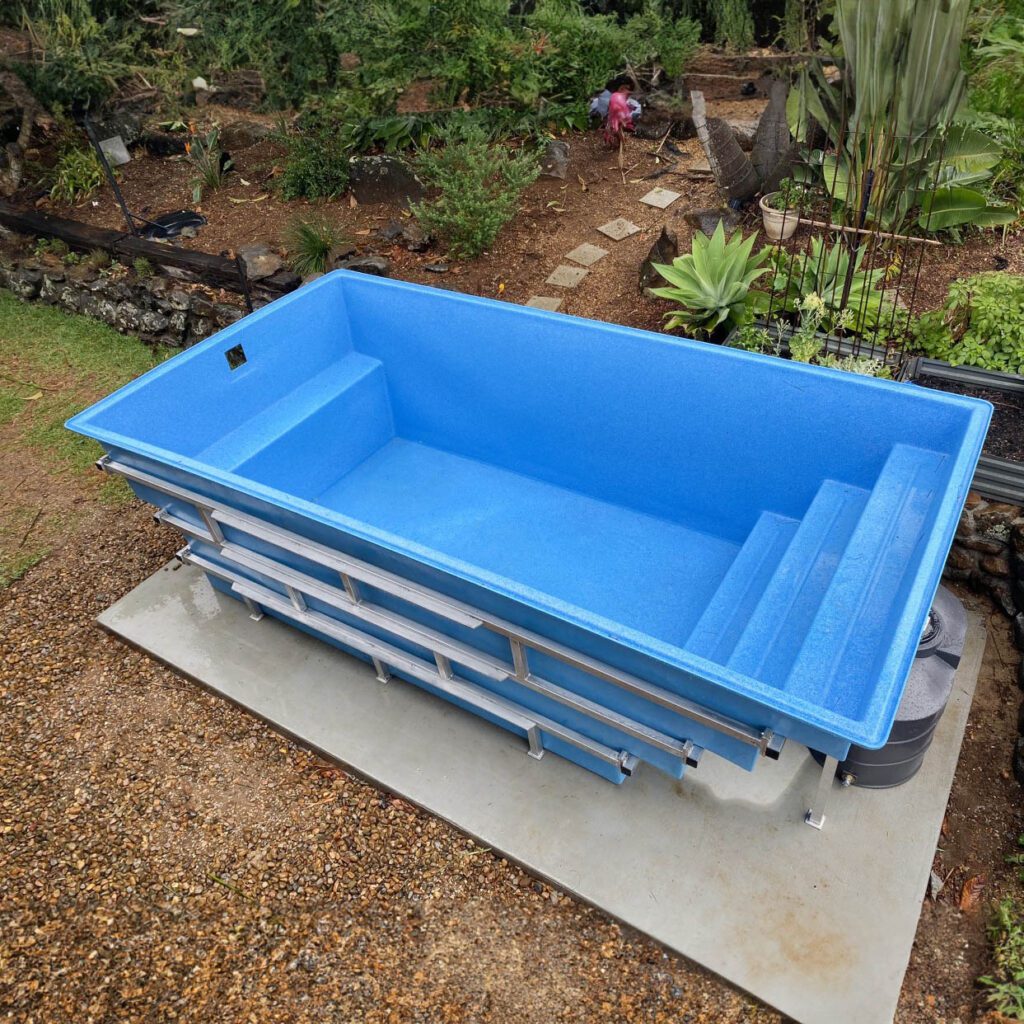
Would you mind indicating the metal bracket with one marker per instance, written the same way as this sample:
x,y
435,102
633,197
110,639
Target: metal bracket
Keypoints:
x,y
815,816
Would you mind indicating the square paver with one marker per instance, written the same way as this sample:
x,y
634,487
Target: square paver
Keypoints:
x,y
660,197
552,305
566,276
618,229
586,254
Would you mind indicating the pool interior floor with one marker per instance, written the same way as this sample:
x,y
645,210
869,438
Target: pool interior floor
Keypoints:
x,y
639,570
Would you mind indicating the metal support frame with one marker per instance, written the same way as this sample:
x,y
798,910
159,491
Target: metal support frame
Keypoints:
x,y
213,517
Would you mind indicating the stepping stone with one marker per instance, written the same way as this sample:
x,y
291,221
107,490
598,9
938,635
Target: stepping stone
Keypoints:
x,y
566,276
660,197
618,229
544,302
586,254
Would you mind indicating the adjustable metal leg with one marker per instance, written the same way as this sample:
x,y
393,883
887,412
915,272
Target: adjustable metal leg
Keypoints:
x,y
815,816
383,675
536,744
255,611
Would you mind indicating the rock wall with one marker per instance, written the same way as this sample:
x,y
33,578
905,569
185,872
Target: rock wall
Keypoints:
x,y
988,554
160,309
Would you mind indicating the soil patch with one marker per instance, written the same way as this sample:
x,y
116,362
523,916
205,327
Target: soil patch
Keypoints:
x,y
1005,438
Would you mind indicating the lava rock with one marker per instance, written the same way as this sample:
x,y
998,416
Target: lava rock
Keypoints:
x,y
706,220
260,261
409,233
163,144
377,265
285,280
153,323
554,161
243,134
664,250
26,282
128,318
383,179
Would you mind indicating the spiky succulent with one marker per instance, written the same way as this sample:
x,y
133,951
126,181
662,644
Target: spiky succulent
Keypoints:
x,y
712,282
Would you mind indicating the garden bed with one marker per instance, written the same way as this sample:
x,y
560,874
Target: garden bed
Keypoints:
x,y
1000,472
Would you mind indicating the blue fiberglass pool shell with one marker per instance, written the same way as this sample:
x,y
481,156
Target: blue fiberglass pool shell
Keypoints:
x,y
623,546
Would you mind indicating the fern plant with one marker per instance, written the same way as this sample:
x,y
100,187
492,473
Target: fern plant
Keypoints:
x,y
712,283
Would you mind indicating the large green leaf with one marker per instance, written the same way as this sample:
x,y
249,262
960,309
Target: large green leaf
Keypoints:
x,y
969,151
950,207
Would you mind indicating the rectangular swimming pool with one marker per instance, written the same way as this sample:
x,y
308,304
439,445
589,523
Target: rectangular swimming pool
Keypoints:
x,y
620,545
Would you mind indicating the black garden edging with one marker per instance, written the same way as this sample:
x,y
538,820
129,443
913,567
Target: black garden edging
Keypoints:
x,y
996,478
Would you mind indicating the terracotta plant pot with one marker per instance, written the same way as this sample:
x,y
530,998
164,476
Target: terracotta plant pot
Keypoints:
x,y
778,224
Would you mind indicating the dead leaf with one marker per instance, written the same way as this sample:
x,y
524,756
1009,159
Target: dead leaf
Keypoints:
x,y
352,201
35,397
970,894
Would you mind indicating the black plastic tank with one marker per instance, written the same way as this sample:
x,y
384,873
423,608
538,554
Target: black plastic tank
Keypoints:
x,y
924,699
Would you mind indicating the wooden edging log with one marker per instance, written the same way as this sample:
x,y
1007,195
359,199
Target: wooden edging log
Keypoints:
x,y
219,271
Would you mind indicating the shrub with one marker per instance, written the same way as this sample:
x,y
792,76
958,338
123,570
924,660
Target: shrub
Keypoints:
x,y
316,158
76,60
734,24
310,244
76,174
480,185
712,282
981,323
142,267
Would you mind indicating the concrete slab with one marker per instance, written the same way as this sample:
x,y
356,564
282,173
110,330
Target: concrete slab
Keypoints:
x,y
618,229
719,866
586,254
660,198
565,276
552,305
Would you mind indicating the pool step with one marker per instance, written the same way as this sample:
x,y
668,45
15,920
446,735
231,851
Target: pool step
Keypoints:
x,y
722,622
271,423
842,641
778,623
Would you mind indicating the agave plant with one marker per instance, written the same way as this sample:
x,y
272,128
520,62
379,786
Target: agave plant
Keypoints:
x,y
895,147
712,282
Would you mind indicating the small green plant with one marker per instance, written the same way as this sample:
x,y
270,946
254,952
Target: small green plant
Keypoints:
x,y
310,244
791,195
864,365
76,174
480,184
142,267
753,338
1006,983
316,157
209,162
981,323
51,247
712,283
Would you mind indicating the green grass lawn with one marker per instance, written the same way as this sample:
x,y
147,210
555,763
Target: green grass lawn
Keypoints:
x,y
53,365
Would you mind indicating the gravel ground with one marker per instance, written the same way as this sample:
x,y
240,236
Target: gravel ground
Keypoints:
x,y
163,856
